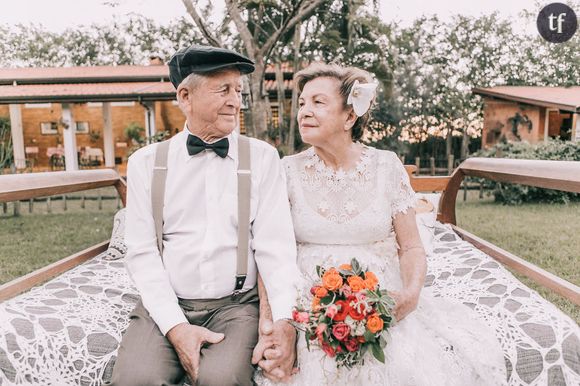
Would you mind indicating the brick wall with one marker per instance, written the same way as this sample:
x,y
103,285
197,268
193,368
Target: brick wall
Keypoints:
x,y
496,122
168,116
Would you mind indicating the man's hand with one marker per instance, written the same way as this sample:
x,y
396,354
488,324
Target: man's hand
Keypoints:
x,y
187,340
275,352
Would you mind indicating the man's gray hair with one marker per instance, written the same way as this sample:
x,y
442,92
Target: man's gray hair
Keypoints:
x,y
192,81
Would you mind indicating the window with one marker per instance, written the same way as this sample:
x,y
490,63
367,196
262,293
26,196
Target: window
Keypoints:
x,y
123,104
82,127
242,123
37,105
48,128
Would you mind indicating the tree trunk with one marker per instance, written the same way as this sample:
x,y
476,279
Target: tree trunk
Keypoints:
x,y
281,99
294,105
464,145
449,143
259,101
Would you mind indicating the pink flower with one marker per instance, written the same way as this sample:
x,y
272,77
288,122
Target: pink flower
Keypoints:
x,y
328,349
300,317
345,289
341,331
321,328
351,344
331,311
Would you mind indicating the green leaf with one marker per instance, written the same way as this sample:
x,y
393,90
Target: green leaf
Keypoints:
x,y
355,266
378,352
369,336
319,271
382,341
327,299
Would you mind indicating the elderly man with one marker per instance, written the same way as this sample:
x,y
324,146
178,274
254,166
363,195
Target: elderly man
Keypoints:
x,y
199,316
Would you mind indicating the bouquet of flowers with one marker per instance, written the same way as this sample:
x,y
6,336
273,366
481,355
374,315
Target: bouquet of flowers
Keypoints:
x,y
349,314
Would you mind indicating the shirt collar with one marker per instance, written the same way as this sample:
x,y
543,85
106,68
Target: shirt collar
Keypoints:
x,y
232,138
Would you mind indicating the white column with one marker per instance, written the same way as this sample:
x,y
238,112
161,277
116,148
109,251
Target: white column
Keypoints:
x,y
17,137
576,127
70,140
149,119
108,136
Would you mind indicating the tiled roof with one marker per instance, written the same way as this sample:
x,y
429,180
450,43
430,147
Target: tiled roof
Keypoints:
x,y
87,92
86,74
564,98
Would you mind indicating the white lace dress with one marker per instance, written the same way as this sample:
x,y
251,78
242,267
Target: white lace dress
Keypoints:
x,y
340,215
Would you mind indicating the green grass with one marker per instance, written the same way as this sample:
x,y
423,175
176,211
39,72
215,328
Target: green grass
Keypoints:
x,y
547,235
32,241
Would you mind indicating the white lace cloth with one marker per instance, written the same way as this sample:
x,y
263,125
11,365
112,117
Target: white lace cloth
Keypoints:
x,y
340,215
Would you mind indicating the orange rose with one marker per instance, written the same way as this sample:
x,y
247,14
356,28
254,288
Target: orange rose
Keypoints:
x,y
315,304
331,280
346,267
371,281
320,292
356,283
374,323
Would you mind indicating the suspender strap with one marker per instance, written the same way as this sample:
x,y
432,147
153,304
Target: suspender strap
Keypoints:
x,y
244,194
158,190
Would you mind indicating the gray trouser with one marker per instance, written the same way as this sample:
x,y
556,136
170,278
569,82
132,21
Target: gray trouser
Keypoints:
x,y
147,358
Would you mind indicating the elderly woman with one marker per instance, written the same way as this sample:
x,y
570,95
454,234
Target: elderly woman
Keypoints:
x,y
350,200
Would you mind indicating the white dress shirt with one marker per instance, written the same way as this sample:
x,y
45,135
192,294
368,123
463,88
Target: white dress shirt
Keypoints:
x,y
200,229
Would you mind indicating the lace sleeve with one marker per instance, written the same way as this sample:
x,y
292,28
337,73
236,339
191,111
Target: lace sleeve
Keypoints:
x,y
402,195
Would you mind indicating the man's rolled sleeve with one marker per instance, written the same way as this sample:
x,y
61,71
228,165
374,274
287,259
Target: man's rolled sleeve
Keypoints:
x,y
143,260
273,238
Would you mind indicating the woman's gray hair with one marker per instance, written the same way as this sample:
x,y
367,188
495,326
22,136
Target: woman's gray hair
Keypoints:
x,y
346,76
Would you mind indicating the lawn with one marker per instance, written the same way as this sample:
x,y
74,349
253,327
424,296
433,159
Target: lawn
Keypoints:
x,y
31,241
547,235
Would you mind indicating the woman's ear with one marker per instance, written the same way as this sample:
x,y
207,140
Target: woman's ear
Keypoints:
x,y
350,120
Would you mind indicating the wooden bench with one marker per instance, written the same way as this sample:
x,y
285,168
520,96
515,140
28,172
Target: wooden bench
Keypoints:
x,y
453,258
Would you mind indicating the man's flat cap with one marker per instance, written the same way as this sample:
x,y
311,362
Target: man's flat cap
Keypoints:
x,y
203,59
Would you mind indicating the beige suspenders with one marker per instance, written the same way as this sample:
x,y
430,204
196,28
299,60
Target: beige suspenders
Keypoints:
x,y
244,194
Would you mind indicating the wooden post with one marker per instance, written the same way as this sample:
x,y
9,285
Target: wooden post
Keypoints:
x,y
30,205
100,200
450,161
48,205
83,200
17,136
432,165
70,141
464,190
64,206
16,208
108,136
480,189
418,164
4,207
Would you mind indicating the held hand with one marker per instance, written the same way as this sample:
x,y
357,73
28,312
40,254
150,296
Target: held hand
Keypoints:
x,y
187,340
405,303
276,350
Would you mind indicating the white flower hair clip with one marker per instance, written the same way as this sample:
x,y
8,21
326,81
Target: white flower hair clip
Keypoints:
x,y
361,96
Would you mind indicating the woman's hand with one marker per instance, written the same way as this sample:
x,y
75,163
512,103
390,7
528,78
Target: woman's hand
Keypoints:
x,y
405,303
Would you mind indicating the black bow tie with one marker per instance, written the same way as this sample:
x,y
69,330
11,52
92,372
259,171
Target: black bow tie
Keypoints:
x,y
196,145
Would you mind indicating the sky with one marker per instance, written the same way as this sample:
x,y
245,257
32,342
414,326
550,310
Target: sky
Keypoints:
x,y
57,15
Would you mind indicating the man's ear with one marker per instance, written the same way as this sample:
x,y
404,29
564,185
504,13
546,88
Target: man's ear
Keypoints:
x,y
183,96
350,120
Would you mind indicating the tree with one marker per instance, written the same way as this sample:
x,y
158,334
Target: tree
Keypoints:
x,y
261,26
